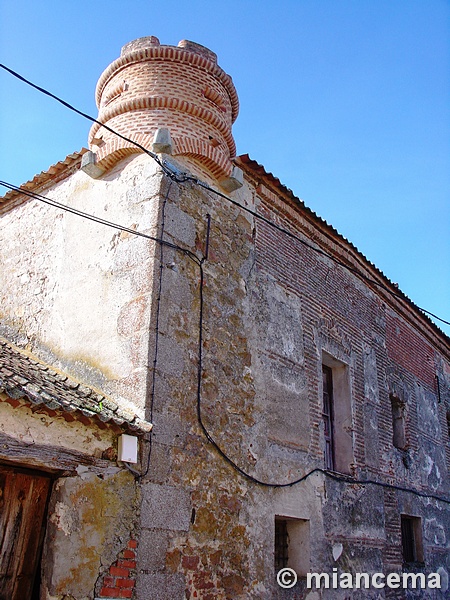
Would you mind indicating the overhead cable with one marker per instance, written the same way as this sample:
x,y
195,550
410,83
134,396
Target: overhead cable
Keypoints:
x,y
182,178
96,219
222,453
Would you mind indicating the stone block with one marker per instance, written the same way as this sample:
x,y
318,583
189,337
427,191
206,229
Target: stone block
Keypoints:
x,y
171,356
165,507
159,586
168,429
179,225
89,165
162,142
234,181
152,550
161,463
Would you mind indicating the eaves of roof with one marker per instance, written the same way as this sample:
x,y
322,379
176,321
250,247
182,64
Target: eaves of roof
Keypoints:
x,y
72,163
23,377
258,171
42,180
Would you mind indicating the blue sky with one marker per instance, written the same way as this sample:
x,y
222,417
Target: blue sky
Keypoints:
x,y
347,102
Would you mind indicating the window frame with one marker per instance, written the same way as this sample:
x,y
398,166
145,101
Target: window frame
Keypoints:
x,y
342,415
296,536
328,416
411,539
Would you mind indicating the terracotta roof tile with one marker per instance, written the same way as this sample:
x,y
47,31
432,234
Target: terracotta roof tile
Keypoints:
x,y
55,173
24,377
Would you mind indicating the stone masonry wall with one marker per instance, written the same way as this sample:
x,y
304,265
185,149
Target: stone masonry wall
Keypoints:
x,y
273,311
124,314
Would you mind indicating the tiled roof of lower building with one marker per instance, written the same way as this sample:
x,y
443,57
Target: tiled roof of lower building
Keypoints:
x,y
23,376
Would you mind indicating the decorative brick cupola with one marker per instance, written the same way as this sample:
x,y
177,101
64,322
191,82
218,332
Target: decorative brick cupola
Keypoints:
x,y
172,99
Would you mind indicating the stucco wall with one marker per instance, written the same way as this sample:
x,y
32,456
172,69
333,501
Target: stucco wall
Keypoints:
x,y
45,428
78,293
92,518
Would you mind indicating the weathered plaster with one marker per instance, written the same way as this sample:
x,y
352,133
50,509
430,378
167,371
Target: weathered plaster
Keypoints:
x,y
92,517
38,427
79,293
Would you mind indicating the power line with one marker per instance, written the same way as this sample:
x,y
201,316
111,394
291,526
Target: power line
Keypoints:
x,y
175,175
90,217
245,474
88,117
222,453
316,249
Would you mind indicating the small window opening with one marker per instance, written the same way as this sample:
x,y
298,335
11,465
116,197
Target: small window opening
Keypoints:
x,y
398,423
292,545
281,544
412,548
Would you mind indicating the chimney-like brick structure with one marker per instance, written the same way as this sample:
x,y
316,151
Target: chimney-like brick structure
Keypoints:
x,y
179,88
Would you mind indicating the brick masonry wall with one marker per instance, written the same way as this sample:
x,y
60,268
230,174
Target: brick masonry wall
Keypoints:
x,y
120,578
180,88
385,356
409,350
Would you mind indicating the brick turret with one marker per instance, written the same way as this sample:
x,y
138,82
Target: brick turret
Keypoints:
x,y
181,89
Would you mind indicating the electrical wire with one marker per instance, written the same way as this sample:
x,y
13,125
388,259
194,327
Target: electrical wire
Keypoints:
x,y
312,247
158,311
91,217
236,467
182,178
85,115
200,262
175,177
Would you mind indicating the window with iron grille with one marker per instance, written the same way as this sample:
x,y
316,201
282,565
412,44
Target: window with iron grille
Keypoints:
x,y
292,544
281,544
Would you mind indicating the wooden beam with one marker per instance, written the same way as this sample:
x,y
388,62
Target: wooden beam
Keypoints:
x,y
46,457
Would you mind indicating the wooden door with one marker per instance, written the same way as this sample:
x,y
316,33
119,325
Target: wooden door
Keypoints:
x,y
23,502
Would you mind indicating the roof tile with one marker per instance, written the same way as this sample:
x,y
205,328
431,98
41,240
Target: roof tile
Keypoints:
x,y
23,376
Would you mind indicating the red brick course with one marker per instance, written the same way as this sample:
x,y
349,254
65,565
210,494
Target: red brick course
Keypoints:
x,y
341,309
120,579
409,350
180,88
